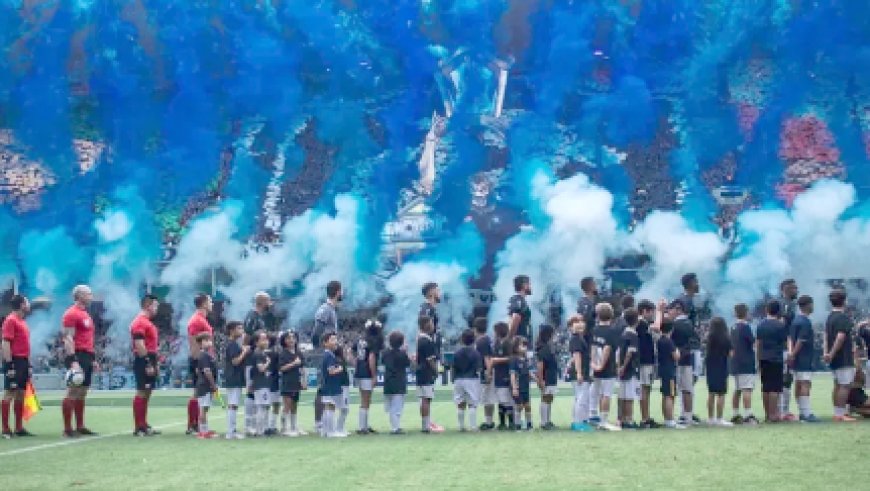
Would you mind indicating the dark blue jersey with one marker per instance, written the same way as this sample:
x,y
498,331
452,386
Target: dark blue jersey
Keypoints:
x,y
802,328
331,382
772,335
743,342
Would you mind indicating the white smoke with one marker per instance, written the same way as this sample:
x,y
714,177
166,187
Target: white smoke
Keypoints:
x,y
574,243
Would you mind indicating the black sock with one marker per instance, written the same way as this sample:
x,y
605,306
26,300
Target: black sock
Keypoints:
x,y
501,412
511,418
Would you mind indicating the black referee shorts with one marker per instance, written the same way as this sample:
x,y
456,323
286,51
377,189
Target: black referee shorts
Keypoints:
x,y
86,361
771,376
18,381
192,370
143,380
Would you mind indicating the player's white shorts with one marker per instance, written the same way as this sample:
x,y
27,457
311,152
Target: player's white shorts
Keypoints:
x,y
344,398
551,390
686,379
393,403
603,387
234,396
262,397
697,363
489,396
745,381
332,400
426,391
581,401
274,397
466,390
365,384
504,396
844,376
647,374
629,390
204,401
803,376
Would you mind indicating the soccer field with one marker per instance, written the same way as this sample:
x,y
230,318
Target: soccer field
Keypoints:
x,y
788,455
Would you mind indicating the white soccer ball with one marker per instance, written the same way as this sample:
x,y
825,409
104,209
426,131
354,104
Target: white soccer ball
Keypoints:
x,y
75,378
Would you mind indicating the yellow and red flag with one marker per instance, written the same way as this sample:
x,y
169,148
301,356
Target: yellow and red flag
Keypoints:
x,y
31,402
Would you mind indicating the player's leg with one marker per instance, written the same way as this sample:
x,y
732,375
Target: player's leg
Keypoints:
x,y
365,402
8,401
193,409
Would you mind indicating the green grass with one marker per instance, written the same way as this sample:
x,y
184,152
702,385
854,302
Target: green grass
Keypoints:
x,y
794,456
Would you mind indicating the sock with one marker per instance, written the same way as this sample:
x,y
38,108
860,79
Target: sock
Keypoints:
x,y
5,415
735,411
394,420
460,416
328,421
747,413
839,411
501,415
19,415
67,410
362,424
231,421
529,418
192,413
604,416
511,412
203,425
283,422
576,418
262,419
250,415
137,413
342,418
516,417
293,426
472,417
79,410
426,424
488,418
273,420
804,405
545,413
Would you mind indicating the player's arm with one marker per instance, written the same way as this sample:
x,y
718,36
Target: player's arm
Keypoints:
x,y
7,351
262,367
69,346
139,345
605,356
577,359
628,355
539,375
241,358
675,355
838,344
206,372
515,324
515,384
334,369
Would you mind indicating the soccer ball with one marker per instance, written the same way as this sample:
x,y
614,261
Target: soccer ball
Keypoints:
x,y
74,378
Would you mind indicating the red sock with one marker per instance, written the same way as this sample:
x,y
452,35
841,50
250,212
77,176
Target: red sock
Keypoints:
x,y
79,409
193,414
67,410
5,415
19,415
137,413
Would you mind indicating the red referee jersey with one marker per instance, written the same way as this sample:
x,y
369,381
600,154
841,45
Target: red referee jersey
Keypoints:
x,y
198,324
15,331
78,319
143,328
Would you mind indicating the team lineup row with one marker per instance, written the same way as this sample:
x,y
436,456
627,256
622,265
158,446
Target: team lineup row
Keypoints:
x,y
262,370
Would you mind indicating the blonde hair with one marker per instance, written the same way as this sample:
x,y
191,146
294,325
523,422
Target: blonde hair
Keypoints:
x,y
80,290
604,311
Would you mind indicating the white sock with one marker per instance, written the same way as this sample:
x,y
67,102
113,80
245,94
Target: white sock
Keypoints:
x,y
577,418
328,422
604,416
426,424
747,413
785,400
231,421
250,414
273,420
203,426
460,416
545,413
293,426
670,423
283,422
395,419
518,416
839,411
488,418
262,419
342,418
362,424
804,406
472,417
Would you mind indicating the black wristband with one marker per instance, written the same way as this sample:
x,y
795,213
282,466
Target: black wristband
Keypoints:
x,y
69,360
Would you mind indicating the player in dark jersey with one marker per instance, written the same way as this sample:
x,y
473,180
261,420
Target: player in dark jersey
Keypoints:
x,y
500,360
578,373
668,355
483,345
838,353
788,290
683,332
586,309
197,324
291,366
235,359
396,363
690,299
261,381
770,341
801,356
718,351
331,393
206,383
16,364
547,374
275,384
518,308
650,322
743,366
520,370
467,365
432,296
367,350
427,363
628,368
605,344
